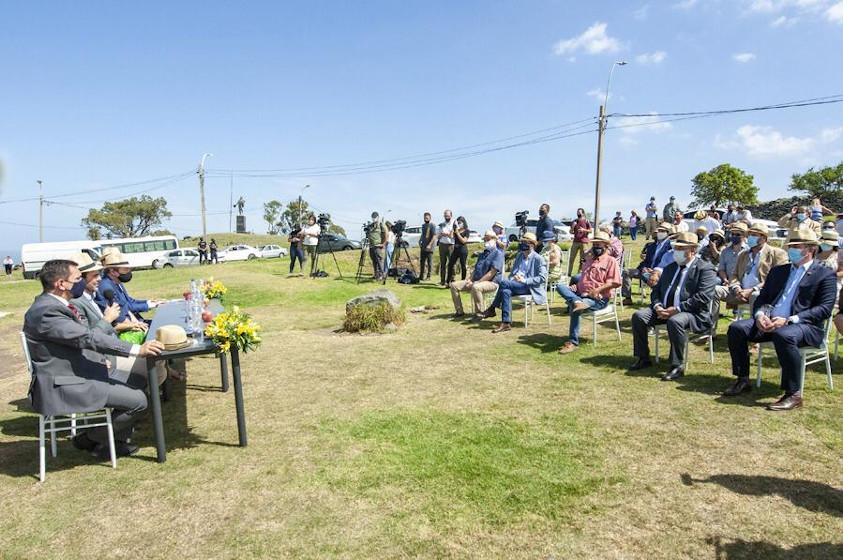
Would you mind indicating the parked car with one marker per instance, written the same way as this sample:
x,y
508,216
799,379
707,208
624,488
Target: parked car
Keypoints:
x,y
181,257
272,251
563,232
411,236
336,242
238,253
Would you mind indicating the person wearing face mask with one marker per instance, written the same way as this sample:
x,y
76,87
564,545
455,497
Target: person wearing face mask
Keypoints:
x,y
651,215
799,218
654,254
580,228
70,368
728,261
543,224
459,256
527,277
553,255
712,246
790,312
730,216
427,242
500,232
670,209
681,300
753,266
484,278
445,238
593,289
116,275
829,255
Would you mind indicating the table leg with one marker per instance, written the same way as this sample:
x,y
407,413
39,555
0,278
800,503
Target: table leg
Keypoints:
x,y
238,396
223,372
157,420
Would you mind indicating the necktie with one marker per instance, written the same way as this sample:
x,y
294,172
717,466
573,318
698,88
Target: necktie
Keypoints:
x,y
671,293
74,311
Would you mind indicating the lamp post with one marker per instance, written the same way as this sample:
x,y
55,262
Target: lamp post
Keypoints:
x,y
601,129
201,172
300,201
40,210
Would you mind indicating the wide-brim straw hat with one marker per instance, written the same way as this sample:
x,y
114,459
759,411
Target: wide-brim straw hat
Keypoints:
x,y
173,337
831,236
529,237
85,263
718,232
600,236
113,257
802,236
759,228
665,227
498,224
739,227
685,239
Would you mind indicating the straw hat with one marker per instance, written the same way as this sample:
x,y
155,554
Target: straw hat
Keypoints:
x,y
718,232
802,236
85,263
831,236
685,239
700,215
664,226
600,236
490,233
498,224
529,237
173,337
739,228
113,257
759,228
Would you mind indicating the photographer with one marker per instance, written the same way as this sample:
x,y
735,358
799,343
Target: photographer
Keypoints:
x,y
460,252
296,250
427,241
376,238
310,235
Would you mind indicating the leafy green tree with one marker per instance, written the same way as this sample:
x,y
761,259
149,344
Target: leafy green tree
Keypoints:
x,y
294,214
337,230
822,183
723,184
132,217
272,216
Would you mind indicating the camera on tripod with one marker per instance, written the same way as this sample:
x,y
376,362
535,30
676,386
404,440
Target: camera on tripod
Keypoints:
x,y
324,220
368,228
398,227
521,218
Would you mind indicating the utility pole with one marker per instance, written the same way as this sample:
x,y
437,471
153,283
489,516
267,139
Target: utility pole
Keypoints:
x,y
201,172
601,126
300,202
40,210
230,200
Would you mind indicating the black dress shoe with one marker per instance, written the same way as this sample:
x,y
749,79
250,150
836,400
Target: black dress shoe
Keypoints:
x,y
121,449
83,443
640,364
742,385
674,374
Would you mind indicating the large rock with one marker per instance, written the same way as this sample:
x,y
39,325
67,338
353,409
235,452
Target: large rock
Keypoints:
x,y
374,298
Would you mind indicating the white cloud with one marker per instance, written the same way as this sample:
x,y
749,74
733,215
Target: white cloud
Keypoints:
x,y
743,57
829,135
834,13
765,141
598,94
685,4
641,13
628,141
635,125
593,40
656,57
783,21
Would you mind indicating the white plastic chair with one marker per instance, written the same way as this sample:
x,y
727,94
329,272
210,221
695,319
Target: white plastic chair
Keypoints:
x,y
810,355
692,337
529,304
605,315
64,423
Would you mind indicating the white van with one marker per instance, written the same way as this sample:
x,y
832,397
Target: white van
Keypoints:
x,y
34,255
144,252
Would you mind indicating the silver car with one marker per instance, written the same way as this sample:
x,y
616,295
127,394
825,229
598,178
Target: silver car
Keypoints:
x,y
181,257
272,251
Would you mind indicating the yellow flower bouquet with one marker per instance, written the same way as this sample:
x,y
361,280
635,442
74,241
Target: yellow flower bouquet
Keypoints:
x,y
234,329
213,289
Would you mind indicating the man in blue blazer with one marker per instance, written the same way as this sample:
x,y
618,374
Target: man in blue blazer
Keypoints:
x,y
654,254
117,272
791,310
527,277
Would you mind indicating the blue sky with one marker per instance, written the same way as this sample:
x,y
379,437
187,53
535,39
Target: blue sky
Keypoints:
x,y
101,94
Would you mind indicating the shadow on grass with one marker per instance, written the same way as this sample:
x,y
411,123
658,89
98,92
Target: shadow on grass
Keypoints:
x,y
546,343
813,496
751,550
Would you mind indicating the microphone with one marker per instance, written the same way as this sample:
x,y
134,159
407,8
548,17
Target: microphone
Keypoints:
x,y
109,296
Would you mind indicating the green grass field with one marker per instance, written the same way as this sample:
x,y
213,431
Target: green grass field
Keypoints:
x,y
438,440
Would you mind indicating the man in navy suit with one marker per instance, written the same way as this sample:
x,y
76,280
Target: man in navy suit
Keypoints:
x,y
791,310
117,272
653,255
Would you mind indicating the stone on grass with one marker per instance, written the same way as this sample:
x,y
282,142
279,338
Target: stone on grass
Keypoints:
x,y
373,312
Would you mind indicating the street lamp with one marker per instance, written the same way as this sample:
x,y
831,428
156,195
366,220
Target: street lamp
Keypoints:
x,y
201,172
601,129
300,201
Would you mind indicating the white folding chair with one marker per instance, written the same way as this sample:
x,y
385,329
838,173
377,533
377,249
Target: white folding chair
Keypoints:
x,y
605,315
529,304
809,354
707,336
66,423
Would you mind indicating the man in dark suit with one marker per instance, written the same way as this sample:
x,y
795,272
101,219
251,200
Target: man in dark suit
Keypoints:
x,y
681,300
791,310
70,373
654,253
116,274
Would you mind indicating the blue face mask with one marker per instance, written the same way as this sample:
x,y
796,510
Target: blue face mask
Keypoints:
x,y
794,254
78,288
523,246
800,217
752,241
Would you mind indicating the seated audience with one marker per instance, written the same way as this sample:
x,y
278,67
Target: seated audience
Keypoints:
x,y
799,218
484,279
116,274
654,254
712,246
681,300
829,254
729,258
593,288
790,312
552,253
527,278
752,267
500,231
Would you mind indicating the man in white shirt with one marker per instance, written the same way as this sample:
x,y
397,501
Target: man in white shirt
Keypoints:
x,y
311,240
445,234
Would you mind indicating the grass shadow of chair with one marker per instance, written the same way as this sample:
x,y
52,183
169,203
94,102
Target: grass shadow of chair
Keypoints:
x,y
751,550
546,343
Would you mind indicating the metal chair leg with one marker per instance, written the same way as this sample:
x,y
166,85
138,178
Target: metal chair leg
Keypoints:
x,y
760,352
51,425
42,451
112,452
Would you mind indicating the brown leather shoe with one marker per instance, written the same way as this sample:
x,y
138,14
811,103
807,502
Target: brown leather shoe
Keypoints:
x,y
503,327
568,347
581,306
488,314
787,402
741,385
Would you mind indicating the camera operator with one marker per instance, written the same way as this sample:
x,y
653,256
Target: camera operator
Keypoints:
x,y
446,245
376,238
427,241
310,235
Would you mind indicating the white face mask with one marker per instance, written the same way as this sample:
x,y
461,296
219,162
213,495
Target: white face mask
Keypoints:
x,y
661,235
491,244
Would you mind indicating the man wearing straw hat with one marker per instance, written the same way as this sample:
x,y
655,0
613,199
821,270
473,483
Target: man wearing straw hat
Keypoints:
x,y
527,277
681,300
791,310
484,279
600,276
654,254
116,274
753,266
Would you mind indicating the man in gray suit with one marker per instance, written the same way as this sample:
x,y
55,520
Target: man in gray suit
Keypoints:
x,y
70,373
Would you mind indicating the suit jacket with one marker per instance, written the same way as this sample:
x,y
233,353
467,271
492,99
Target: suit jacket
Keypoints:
x,y
536,275
92,316
814,300
696,294
69,370
122,298
653,253
770,257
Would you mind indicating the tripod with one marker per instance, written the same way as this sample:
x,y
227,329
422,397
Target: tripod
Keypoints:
x,y
316,272
364,247
396,255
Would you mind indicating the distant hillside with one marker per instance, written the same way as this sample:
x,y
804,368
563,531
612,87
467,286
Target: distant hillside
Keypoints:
x,y
775,209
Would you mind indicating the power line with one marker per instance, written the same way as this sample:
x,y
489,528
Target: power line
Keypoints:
x,y
36,226
827,100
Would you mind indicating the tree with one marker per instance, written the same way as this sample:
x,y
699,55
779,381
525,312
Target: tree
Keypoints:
x,y
272,216
336,230
824,183
723,184
132,217
290,216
